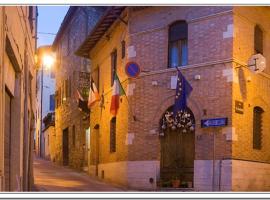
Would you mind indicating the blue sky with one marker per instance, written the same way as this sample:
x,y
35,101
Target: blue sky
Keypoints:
x,y
49,21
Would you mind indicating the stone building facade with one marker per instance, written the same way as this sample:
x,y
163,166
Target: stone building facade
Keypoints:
x,y
17,96
220,40
72,75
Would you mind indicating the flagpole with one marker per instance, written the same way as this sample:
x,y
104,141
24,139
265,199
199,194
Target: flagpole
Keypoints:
x,y
129,108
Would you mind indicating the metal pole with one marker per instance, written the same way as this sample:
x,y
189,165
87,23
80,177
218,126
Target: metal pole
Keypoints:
x,y
41,99
214,158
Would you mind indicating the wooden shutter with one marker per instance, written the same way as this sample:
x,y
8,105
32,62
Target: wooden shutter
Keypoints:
x,y
123,48
113,64
257,127
258,40
113,135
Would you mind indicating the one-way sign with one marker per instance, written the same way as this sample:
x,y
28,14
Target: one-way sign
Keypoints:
x,y
216,122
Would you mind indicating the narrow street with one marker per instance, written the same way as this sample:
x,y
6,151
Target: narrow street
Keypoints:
x,y
53,178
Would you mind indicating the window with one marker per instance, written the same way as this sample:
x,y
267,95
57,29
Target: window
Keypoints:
x,y
73,135
257,127
113,135
66,89
57,98
123,48
113,64
52,102
178,33
258,40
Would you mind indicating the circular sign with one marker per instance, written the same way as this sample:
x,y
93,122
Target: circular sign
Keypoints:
x,y
132,69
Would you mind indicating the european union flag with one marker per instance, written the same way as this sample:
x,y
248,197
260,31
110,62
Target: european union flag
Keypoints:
x,y
183,89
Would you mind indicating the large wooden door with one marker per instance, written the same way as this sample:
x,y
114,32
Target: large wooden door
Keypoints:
x,y
7,141
65,147
177,155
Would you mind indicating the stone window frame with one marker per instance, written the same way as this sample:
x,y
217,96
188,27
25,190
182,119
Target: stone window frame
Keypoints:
x,y
257,127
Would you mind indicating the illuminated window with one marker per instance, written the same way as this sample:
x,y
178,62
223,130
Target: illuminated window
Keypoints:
x,y
178,34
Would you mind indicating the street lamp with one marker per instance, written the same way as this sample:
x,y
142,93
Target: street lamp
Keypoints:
x,y
45,60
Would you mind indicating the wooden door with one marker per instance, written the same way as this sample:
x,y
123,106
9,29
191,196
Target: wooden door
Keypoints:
x,y
177,155
7,141
65,147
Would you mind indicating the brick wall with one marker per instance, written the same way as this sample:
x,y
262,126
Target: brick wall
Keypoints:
x,y
252,89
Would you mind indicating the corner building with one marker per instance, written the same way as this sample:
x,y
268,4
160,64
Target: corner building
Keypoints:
x,y
211,47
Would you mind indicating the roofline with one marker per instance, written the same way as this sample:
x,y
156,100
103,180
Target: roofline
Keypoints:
x,y
86,47
64,24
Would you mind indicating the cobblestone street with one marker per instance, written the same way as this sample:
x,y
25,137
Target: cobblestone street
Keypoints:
x,y
50,177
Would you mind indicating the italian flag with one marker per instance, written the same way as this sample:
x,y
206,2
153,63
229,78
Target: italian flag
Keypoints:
x,y
117,91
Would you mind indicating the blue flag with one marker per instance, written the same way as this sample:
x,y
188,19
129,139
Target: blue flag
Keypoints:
x,y
183,90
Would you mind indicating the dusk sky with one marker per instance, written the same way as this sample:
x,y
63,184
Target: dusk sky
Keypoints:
x,y
49,21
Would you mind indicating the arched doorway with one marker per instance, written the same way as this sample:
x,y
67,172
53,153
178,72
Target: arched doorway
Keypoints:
x,y
177,147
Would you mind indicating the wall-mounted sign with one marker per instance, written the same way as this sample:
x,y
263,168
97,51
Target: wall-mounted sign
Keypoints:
x,y
83,83
216,122
239,107
132,69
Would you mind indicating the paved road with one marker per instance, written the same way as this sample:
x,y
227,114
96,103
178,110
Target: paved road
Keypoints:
x,y
50,177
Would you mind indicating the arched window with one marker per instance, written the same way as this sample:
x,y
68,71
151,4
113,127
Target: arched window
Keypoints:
x,y
258,40
178,35
257,127
113,135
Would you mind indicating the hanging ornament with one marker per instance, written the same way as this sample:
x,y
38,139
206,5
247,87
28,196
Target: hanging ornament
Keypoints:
x,y
182,120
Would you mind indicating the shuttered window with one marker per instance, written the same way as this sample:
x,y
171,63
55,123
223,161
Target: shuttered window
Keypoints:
x,y
123,48
113,64
52,102
257,127
113,135
178,47
73,135
258,40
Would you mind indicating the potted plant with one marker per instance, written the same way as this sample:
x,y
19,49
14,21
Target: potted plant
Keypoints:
x,y
176,182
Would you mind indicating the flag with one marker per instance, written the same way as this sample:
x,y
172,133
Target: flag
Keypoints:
x,y
117,91
183,90
82,104
93,94
78,96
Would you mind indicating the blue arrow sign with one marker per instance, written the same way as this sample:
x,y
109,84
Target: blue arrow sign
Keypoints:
x,y
216,122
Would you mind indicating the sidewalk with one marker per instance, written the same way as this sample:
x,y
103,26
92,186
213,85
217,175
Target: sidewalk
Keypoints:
x,y
53,178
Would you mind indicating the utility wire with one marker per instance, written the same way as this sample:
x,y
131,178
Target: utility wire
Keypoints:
x,y
44,33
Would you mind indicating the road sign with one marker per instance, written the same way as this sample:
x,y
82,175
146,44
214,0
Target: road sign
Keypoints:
x,y
216,122
132,69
